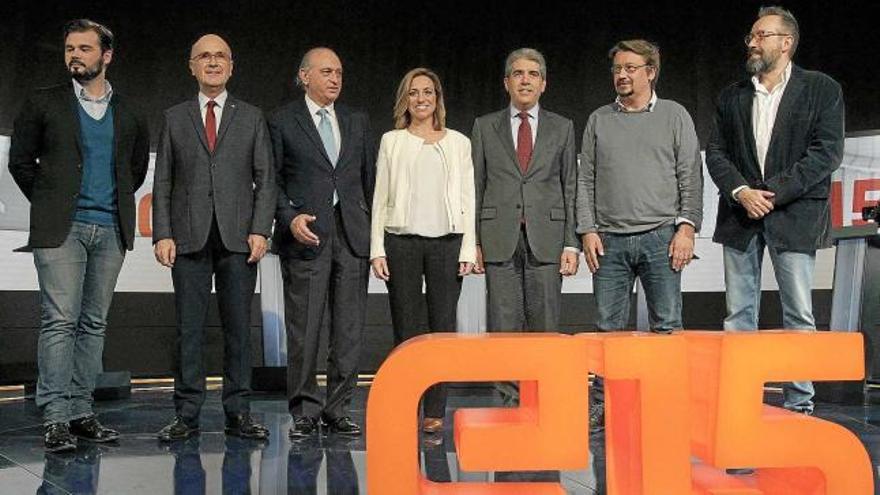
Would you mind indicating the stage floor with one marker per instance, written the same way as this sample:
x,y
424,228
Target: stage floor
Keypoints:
x,y
211,463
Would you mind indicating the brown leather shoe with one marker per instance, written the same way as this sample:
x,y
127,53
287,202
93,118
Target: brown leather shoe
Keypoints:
x,y
432,425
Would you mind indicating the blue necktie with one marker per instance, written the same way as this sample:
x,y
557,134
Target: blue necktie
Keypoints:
x,y
325,130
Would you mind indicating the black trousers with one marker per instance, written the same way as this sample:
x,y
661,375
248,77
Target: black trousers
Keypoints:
x,y
235,282
331,287
412,259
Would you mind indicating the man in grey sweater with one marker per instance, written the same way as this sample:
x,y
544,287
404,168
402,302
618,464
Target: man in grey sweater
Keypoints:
x,y
639,200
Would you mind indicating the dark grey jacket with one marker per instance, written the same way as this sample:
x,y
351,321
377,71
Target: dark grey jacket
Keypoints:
x,y
544,195
805,148
236,182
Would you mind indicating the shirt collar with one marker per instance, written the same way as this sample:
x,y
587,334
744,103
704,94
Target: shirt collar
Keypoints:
x,y
618,104
220,99
314,107
786,75
533,112
80,91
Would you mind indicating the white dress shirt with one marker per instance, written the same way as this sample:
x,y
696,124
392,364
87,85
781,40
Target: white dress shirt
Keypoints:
x,y
331,114
765,105
220,101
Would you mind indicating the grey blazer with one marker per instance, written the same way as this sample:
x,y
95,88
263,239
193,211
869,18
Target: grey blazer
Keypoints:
x,y
544,195
191,185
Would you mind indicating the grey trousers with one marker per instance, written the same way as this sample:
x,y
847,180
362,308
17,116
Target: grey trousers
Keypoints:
x,y
331,287
523,293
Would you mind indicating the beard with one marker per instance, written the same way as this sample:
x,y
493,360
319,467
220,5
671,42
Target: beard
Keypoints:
x,y
761,64
83,73
624,93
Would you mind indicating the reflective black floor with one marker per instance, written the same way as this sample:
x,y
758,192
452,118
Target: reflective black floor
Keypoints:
x,y
212,463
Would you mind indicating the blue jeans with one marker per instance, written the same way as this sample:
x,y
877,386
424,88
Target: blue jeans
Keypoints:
x,y
794,275
627,256
77,280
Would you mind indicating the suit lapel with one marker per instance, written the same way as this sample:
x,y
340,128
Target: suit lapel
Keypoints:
x,y
502,127
195,116
746,96
343,118
790,98
117,130
225,118
304,119
72,108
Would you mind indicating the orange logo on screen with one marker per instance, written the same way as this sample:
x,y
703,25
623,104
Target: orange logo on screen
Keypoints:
x,y
679,410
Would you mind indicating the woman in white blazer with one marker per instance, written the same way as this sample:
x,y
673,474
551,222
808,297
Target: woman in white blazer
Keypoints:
x,y
423,218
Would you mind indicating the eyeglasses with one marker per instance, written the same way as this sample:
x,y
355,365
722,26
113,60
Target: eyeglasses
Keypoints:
x,y
206,57
761,36
629,68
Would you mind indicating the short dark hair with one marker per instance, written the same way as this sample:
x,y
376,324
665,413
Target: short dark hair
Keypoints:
x,y
644,48
788,21
83,25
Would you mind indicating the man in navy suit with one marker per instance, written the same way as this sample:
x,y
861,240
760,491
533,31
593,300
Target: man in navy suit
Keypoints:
x,y
777,138
325,164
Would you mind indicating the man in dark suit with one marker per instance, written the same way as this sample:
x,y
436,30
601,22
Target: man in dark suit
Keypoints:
x,y
213,199
325,161
525,170
78,153
776,140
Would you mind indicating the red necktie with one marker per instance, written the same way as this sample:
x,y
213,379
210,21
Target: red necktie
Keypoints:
x,y
211,125
524,142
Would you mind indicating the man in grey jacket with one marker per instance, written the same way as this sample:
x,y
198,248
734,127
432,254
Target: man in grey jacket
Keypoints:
x,y
639,199
213,203
525,172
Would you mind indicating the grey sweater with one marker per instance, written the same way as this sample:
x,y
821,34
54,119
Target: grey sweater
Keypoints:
x,y
639,171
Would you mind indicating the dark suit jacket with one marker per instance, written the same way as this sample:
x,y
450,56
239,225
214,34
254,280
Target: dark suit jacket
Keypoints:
x,y
544,196
47,129
306,178
191,185
805,148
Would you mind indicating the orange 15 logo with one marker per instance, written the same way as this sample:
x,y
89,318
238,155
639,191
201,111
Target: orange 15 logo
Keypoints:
x,y
679,410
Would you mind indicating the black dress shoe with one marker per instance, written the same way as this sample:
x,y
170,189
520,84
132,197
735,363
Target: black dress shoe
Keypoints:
x,y
177,429
343,425
89,428
303,427
57,438
244,426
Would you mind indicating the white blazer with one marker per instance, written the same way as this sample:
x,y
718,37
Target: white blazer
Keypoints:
x,y
391,199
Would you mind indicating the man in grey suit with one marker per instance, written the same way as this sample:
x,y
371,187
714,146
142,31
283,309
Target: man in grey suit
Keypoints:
x,y
525,172
325,164
213,202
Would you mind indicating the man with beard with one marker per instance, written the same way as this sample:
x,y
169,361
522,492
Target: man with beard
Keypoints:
x,y
640,198
776,140
78,153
